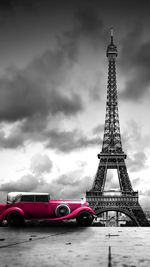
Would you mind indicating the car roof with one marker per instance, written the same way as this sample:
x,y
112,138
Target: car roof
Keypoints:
x,y
27,193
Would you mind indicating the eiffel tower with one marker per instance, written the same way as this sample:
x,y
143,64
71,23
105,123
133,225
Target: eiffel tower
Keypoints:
x,y
112,156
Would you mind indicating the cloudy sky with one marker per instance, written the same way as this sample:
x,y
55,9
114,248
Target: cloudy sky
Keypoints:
x,y
53,81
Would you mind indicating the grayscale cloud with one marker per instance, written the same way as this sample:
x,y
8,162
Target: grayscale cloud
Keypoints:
x,y
67,141
99,129
61,140
69,186
137,162
112,182
36,90
136,182
26,183
41,164
135,63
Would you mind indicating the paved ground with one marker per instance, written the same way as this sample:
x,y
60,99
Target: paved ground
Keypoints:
x,y
69,245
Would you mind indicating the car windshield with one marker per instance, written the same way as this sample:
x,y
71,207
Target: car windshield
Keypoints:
x,y
13,197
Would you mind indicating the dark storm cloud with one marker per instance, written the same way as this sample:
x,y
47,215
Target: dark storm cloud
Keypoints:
x,y
22,132
89,22
12,7
135,63
36,92
130,46
67,141
15,140
36,89
36,86
11,4
33,94
9,9
87,28
60,140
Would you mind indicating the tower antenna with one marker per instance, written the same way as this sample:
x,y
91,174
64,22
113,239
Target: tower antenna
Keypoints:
x,y
111,34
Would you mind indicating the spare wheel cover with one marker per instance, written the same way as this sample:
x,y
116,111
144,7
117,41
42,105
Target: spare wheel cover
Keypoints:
x,y
62,210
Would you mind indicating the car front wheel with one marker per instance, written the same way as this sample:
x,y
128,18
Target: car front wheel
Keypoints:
x,y
15,219
84,218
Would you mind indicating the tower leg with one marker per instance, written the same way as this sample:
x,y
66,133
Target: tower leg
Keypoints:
x,y
107,223
117,218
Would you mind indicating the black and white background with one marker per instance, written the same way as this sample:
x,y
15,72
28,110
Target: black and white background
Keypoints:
x,y
53,80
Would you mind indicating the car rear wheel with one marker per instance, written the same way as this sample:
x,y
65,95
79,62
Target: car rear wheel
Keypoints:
x,y
84,218
15,219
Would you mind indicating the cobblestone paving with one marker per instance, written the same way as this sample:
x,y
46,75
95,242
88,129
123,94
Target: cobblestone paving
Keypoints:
x,y
69,245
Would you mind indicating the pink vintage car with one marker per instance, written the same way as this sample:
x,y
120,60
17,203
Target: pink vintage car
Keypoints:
x,y
22,206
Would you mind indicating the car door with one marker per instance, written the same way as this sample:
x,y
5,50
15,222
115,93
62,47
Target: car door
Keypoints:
x,y
42,206
27,205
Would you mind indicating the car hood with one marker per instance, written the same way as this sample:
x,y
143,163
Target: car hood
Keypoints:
x,y
65,201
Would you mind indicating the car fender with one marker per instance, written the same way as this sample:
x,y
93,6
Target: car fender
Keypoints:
x,y
77,211
4,215
73,214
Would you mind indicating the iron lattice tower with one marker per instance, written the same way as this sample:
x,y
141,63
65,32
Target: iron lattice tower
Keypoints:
x,y
113,157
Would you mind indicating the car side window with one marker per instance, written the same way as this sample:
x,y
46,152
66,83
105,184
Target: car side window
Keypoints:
x,y
27,198
41,198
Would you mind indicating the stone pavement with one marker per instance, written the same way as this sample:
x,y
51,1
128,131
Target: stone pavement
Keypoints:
x,y
69,245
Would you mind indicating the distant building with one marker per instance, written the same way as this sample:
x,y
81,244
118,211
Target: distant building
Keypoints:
x,y
147,213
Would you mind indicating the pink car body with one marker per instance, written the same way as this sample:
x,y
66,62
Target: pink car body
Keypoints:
x,y
23,206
